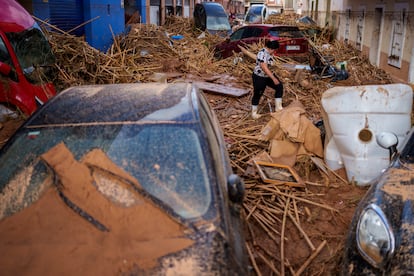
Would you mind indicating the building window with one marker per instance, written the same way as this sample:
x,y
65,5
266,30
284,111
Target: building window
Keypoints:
x,y
397,38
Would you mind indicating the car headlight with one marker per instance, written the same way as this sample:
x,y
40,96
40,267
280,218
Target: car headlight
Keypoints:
x,y
374,236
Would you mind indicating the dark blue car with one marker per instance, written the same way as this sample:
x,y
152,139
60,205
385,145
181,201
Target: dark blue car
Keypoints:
x,y
381,237
211,17
128,179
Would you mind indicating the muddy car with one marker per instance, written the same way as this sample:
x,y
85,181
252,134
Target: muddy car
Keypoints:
x,y
292,41
27,71
213,18
381,238
125,179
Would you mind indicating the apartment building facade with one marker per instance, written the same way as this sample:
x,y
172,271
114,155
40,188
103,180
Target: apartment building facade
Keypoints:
x,y
382,30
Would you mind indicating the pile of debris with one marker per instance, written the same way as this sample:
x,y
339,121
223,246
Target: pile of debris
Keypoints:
x,y
136,56
179,52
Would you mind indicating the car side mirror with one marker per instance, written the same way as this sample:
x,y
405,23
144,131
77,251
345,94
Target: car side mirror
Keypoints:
x,y
7,71
388,140
235,186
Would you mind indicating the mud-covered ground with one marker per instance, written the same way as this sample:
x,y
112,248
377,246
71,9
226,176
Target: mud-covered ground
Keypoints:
x,y
325,224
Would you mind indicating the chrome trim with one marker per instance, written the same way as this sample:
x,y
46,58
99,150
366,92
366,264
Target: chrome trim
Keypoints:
x,y
38,101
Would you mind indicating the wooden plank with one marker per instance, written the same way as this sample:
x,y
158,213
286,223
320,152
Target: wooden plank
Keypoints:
x,y
221,89
247,52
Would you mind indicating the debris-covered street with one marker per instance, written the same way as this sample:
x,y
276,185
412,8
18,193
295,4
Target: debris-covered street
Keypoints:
x,y
291,229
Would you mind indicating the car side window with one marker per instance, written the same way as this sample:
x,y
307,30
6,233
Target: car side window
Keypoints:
x,y
200,17
252,32
237,35
257,32
248,33
4,54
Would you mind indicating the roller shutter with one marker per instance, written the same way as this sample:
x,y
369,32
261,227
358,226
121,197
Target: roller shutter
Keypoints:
x,y
67,15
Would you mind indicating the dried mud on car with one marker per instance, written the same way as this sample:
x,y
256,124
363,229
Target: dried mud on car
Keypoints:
x,y
92,235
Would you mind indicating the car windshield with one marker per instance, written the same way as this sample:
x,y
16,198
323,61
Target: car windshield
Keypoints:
x,y
307,20
218,23
407,153
253,18
256,9
34,54
166,160
286,32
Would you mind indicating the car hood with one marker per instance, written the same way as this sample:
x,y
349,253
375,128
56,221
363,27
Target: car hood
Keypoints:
x,y
85,222
220,33
56,248
209,255
395,185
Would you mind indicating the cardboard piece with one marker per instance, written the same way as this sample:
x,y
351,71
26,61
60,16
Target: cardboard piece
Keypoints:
x,y
291,134
284,152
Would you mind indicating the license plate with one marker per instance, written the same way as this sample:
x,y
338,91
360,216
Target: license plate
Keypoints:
x,y
292,47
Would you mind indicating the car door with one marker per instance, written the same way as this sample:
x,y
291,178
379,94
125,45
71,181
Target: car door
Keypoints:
x,y
230,211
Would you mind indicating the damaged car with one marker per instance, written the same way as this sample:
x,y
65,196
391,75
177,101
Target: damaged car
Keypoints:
x,y
121,179
27,63
292,41
381,237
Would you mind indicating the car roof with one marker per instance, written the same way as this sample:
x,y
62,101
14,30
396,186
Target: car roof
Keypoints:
x,y
120,103
210,4
256,7
14,18
213,8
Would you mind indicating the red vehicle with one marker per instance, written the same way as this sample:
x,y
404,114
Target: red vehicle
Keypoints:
x,y
26,61
292,40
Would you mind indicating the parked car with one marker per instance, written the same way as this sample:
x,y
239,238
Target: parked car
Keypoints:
x,y
381,237
211,17
291,39
309,27
307,20
131,178
259,13
27,63
256,14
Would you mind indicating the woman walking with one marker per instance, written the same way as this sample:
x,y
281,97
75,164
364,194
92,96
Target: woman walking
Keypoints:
x,y
263,77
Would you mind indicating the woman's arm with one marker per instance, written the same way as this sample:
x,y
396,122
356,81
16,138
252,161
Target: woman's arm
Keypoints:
x,y
266,69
